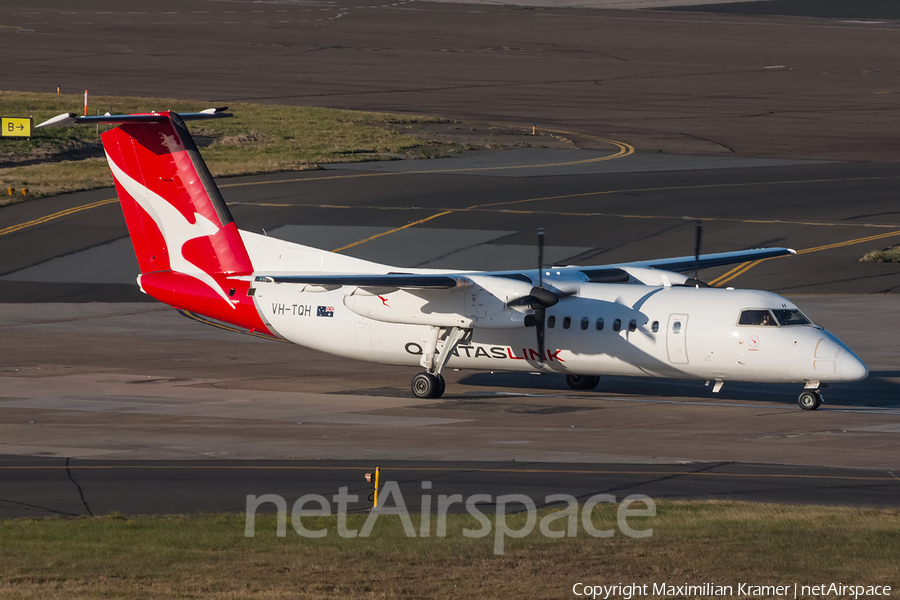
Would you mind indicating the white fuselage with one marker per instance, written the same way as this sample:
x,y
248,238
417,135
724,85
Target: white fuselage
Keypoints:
x,y
665,331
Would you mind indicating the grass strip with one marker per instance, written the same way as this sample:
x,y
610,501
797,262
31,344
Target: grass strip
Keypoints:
x,y
889,255
208,556
261,138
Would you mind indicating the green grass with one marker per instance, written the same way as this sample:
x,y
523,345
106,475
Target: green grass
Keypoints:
x,y
208,556
889,255
259,139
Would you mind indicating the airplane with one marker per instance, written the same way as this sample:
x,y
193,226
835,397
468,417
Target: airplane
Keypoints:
x,y
644,318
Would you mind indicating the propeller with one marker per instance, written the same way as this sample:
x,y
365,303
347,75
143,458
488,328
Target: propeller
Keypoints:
x,y
539,299
544,299
541,257
695,282
697,250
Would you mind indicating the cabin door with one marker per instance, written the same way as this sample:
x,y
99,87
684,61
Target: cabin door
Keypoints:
x,y
676,339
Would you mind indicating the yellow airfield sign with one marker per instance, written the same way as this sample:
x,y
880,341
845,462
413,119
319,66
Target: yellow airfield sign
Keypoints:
x,y
15,127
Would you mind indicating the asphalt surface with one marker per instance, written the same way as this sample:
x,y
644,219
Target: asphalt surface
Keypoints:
x,y
699,97
40,487
663,81
832,9
832,213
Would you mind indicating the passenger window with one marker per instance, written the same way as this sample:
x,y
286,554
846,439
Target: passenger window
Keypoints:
x,y
617,324
600,324
676,327
655,327
551,322
757,317
567,322
585,322
632,325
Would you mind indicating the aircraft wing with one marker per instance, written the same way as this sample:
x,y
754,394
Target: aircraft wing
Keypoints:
x,y
683,264
388,280
612,273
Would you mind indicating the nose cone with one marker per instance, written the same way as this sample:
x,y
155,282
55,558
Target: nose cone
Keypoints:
x,y
853,369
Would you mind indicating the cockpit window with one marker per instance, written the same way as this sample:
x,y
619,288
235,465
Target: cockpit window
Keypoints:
x,y
773,317
790,316
757,317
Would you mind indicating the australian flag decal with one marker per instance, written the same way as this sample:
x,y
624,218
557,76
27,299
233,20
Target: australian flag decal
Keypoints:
x,y
325,311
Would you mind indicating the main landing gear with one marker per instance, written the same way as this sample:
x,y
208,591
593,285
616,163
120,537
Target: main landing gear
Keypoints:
x,y
427,385
430,383
810,399
582,382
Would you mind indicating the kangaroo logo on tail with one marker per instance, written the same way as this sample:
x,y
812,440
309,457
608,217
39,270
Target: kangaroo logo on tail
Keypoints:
x,y
174,227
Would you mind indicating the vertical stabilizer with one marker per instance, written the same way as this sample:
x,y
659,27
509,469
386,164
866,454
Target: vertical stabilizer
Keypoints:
x,y
175,214
188,247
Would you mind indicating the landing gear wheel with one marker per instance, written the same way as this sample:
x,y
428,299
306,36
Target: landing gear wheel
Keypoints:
x,y
582,382
809,400
426,385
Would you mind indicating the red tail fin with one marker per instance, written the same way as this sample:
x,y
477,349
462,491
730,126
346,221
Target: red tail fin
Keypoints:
x,y
187,244
175,214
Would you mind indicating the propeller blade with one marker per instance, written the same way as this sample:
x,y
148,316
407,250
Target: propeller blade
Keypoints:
x,y
697,250
694,283
542,296
541,317
541,257
539,299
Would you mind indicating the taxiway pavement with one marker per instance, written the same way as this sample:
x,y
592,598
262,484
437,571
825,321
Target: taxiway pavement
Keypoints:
x,y
134,381
806,98
91,380
74,247
40,487
706,84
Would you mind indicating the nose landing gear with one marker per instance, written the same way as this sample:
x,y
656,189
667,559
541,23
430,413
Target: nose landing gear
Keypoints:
x,y
810,400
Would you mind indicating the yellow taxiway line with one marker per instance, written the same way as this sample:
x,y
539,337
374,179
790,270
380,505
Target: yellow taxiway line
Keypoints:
x,y
56,215
744,267
623,150
383,233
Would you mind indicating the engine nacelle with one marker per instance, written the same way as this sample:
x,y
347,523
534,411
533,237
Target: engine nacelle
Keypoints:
x,y
482,305
421,308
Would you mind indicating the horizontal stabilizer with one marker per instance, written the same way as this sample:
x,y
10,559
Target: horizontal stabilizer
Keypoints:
x,y
69,119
